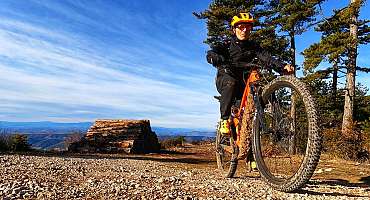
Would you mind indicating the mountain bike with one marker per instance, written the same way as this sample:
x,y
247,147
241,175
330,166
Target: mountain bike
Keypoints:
x,y
285,135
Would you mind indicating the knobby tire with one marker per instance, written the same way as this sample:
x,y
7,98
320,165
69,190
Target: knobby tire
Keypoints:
x,y
314,141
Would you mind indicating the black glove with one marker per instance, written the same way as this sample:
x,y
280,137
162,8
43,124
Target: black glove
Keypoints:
x,y
215,59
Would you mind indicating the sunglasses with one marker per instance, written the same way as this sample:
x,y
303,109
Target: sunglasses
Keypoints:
x,y
243,27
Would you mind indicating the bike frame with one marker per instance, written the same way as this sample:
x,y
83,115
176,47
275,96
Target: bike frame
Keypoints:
x,y
252,79
253,115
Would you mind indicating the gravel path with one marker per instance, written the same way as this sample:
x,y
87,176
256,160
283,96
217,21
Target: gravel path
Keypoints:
x,y
103,177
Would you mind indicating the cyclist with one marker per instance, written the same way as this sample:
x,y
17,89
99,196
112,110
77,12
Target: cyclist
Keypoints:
x,y
229,79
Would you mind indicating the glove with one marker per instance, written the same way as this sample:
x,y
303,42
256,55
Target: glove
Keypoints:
x,y
214,58
288,69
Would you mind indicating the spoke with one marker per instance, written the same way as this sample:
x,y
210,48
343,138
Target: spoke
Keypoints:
x,y
276,134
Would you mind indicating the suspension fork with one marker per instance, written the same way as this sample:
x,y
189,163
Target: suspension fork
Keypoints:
x,y
257,104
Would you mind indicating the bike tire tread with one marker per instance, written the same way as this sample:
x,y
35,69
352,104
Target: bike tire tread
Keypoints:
x,y
313,152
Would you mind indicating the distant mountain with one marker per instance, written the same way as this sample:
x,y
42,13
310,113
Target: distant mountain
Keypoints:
x,y
47,141
64,128
46,135
162,131
189,139
44,127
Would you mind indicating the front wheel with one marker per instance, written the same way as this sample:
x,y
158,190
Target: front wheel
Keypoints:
x,y
286,136
226,154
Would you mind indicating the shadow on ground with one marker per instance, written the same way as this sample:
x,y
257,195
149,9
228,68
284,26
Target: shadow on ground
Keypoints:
x,y
335,183
162,156
341,182
365,180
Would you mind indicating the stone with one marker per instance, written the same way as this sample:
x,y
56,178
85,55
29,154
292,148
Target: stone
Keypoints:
x,y
130,136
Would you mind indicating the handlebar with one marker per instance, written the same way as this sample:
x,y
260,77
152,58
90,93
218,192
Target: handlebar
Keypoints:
x,y
247,65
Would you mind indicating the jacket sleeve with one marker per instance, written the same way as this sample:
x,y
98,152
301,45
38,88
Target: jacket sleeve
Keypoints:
x,y
269,60
214,58
217,55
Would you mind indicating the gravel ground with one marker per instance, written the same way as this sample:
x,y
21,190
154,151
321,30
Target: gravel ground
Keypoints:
x,y
104,177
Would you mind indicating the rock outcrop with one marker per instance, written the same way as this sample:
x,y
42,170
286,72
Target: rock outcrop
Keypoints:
x,y
130,136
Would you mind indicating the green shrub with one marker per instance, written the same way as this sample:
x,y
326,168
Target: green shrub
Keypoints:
x,y
19,142
172,142
13,142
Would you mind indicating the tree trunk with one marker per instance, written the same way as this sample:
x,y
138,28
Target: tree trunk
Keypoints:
x,y
292,142
347,125
334,85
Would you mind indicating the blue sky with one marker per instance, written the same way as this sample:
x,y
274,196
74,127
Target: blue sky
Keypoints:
x,y
72,61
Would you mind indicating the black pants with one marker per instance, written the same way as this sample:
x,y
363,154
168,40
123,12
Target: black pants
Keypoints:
x,y
230,88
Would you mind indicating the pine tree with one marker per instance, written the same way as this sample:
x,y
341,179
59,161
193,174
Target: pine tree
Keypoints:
x,y
347,125
293,18
330,48
218,17
338,46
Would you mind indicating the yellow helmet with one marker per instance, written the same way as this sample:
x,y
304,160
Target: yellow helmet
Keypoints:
x,y
242,18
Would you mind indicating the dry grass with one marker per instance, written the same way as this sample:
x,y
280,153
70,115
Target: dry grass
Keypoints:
x,y
329,168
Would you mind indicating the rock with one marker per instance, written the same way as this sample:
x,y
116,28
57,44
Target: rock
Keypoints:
x,y
124,177
130,136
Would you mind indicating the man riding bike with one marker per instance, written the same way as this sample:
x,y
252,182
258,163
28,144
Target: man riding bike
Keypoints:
x,y
229,80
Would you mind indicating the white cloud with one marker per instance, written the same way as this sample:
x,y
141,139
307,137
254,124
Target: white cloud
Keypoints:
x,y
40,70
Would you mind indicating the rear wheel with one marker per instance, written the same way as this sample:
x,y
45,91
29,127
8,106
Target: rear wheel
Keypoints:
x,y
286,136
226,154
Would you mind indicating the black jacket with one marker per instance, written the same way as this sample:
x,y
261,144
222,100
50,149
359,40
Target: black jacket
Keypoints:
x,y
228,56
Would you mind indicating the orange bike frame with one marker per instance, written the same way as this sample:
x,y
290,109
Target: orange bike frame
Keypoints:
x,y
252,78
